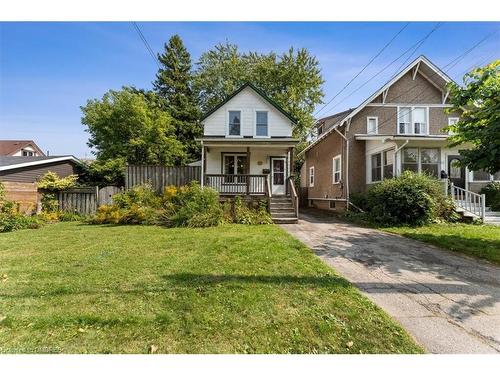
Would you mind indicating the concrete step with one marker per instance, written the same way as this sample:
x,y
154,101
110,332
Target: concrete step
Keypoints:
x,y
283,214
282,209
281,205
285,220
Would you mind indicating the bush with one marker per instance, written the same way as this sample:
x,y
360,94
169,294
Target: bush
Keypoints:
x,y
135,214
142,195
411,199
243,214
492,195
50,181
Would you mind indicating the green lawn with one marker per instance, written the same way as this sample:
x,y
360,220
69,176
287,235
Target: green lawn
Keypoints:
x,y
480,241
76,288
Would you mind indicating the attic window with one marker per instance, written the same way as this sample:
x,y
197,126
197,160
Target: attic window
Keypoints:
x,y
261,127
234,123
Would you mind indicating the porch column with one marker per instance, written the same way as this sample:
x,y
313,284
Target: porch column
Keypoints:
x,y
292,160
203,164
248,170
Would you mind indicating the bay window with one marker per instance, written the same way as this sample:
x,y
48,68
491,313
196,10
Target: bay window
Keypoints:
x,y
382,165
412,120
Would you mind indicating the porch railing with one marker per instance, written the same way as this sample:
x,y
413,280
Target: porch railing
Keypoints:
x,y
293,195
469,201
240,184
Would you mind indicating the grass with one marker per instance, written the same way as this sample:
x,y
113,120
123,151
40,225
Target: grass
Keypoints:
x,y
480,241
76,288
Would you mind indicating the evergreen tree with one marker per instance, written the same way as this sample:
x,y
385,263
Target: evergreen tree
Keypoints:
x,y
174,86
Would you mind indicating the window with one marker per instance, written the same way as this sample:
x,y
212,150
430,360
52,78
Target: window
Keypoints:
x,y
28,153
234,123
410,159
429,160
452,121
320,129
311,176
480,175
404,120
423,160
388,170
377,167
371,125
234,164
261,128
332,204
419,117
337,169
412,120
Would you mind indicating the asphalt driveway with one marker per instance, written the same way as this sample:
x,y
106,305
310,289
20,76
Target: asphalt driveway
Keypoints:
x,y
449,303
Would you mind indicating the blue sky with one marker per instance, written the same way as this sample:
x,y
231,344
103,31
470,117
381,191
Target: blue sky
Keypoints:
x,y
48,70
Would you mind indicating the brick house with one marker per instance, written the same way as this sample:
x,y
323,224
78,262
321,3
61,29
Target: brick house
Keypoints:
x,y
397,128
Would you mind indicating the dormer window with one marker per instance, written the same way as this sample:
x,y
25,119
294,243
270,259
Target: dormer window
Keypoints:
x,y
261,124
28,153
234,123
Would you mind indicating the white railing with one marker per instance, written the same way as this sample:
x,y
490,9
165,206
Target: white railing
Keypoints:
x,y
469,201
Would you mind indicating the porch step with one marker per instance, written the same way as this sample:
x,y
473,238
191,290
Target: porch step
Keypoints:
x,y
282,210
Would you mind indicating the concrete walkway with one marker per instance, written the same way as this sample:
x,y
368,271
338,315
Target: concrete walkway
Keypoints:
x,y
449,303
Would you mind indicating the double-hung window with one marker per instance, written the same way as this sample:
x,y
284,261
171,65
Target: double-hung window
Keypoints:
x,y
261,124
371,125
410,159
234,123
311,176
234,164
337,169
412,120
382,165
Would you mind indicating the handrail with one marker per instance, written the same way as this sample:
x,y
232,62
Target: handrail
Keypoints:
x,y
267,187
294,196
468,200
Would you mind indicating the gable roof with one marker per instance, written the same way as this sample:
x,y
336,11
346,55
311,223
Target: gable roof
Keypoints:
x,y
258,91
14,162
11,146
441,79
335,117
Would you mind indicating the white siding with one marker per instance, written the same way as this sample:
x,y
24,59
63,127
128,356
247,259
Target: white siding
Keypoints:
x,y
247,101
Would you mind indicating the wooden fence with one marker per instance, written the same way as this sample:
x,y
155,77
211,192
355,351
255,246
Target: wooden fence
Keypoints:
x,y
159,176
79,200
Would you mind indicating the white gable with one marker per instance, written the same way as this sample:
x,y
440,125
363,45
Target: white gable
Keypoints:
x,y
248,102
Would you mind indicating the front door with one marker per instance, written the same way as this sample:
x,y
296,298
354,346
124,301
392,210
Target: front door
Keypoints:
x,y
278,176
456,172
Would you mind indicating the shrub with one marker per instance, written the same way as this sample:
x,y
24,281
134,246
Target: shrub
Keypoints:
x,y
50,181
10,217
412,199
492,195
243,214
142,195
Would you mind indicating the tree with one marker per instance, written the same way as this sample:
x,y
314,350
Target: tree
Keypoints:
x,y
479,125
130,125
174,85
292,79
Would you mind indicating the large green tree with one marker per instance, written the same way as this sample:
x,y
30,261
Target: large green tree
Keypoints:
x,y
479,102
131,126
174,85
293,79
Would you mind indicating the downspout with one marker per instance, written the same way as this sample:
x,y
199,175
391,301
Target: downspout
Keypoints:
x,y
202,164
346,166
396,153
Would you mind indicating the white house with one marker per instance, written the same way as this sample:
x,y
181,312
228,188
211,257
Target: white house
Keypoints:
x,y
247,146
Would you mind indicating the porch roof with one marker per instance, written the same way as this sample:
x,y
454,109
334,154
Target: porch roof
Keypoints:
x,y
249,142
399,137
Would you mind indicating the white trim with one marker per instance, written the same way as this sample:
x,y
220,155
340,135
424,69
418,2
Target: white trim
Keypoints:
x,y
235,157
337,157
389,105
255,124
40,162
311,184
368,118
391,137
227,123
415,71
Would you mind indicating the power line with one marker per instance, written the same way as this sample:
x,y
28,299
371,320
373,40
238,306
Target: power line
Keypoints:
x,y
414,47
366,66
146,44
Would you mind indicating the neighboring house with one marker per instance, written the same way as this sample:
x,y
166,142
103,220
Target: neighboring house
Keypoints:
x,y
19,148
398,128
19,175
248,149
